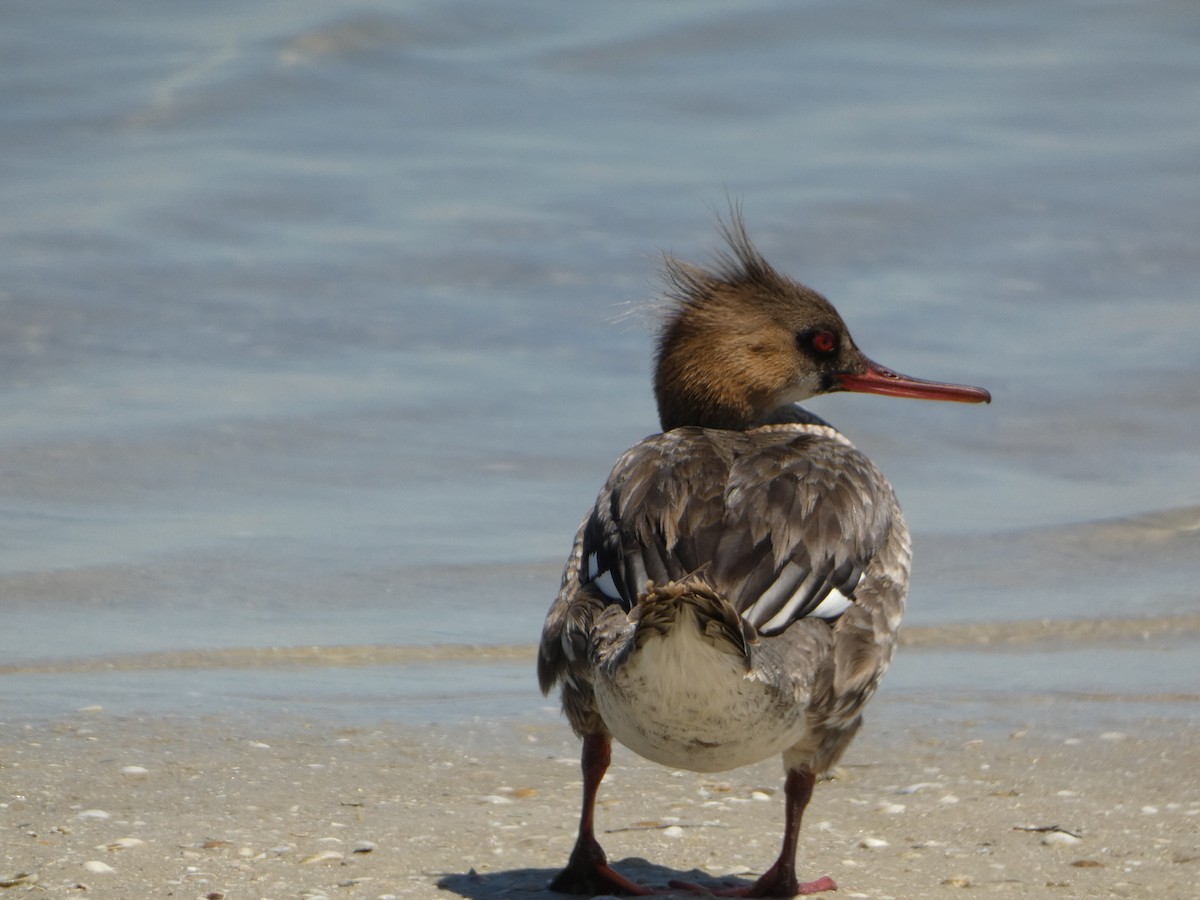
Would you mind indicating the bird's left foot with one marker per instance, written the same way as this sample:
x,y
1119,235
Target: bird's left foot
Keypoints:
x,y
589,873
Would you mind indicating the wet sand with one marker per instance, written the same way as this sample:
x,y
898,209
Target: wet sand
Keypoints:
x,y
1044,799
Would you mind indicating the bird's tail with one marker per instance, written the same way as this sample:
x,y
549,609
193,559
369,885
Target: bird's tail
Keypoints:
x,y
662,607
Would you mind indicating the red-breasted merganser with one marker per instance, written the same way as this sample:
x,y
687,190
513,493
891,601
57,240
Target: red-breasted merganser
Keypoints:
x,y
736,590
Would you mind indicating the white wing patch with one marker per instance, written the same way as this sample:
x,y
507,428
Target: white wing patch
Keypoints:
x,y
834,604
602,580
775,593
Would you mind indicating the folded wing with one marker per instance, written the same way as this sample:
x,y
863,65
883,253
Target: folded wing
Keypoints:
x,y
781,521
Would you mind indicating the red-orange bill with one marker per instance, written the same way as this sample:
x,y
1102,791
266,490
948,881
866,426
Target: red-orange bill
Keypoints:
x,y
878,380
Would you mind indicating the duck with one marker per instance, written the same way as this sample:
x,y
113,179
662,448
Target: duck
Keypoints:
x,y
736,590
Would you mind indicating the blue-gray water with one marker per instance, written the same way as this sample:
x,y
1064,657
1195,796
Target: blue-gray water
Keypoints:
x,y
321,323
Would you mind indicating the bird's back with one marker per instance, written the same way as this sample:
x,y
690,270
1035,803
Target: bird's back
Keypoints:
x,y
791,526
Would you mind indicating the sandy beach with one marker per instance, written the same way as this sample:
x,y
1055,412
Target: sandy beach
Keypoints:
x,y
1032,802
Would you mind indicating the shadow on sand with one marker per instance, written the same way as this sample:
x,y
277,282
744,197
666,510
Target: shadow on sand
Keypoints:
x,y
531,883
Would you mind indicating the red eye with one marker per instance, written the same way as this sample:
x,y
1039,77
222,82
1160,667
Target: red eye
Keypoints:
x,y
824,342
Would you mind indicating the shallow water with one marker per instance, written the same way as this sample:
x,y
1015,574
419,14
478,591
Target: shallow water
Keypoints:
x,y
320,322
1110,683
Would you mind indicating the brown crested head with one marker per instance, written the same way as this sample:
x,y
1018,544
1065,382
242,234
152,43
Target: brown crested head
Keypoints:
x,y
739,340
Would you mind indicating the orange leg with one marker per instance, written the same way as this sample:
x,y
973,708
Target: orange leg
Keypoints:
x,y
587,871
780,880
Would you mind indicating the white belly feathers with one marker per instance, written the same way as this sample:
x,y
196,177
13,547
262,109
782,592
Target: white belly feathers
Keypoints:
x,y
681,702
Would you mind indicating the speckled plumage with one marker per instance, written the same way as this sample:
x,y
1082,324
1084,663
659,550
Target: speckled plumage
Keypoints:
x,y
720,516
736,590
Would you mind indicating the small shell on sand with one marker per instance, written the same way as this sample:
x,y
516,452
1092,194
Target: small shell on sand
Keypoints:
x,y
325,856
125,843
871,843
919,786
98,868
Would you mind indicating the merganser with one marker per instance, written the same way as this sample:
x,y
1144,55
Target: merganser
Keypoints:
x,y
736,590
